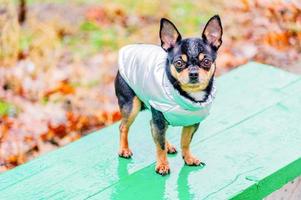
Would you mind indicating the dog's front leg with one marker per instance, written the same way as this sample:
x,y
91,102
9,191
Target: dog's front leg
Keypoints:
x,y
187,135
158,128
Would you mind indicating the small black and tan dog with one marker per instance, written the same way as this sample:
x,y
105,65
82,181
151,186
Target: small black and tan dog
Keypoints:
x,y
174,81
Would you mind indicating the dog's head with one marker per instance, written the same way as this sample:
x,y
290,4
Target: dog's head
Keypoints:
x,y
191,61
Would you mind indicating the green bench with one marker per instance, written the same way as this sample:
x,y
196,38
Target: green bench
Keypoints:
x,y
251,144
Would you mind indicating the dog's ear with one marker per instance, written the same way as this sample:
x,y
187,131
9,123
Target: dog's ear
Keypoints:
x,y
213,32
169,34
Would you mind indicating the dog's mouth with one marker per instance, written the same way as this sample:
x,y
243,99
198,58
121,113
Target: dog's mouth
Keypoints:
x,y
197,83
193,84
194,81
194,87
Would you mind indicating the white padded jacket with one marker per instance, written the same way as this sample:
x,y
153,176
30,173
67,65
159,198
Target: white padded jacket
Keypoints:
x,y
142,66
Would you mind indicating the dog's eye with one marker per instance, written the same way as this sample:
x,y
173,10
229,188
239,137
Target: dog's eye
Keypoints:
x,y
206,63
179,64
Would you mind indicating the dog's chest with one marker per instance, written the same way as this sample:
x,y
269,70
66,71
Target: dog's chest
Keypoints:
x,y
198,96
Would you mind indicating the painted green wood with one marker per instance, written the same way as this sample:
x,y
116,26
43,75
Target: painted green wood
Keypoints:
x,y
250,143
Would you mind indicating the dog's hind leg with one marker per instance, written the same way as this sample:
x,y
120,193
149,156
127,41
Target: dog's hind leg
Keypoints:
x,y
130,106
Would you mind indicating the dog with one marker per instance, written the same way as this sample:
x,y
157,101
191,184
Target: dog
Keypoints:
x,y
175,81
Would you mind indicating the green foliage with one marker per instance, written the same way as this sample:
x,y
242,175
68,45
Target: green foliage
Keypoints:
x,y
25,41
100,37
104,38
89,26
6,108
92,38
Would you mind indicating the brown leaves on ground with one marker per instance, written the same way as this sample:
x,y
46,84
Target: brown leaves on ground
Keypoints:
x,y
55,107
107,15
64,87
266,31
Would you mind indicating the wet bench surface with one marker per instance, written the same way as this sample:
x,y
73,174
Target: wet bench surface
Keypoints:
x,y
251,144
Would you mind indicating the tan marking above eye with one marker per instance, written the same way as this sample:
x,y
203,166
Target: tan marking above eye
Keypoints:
x,y
201,56
184,57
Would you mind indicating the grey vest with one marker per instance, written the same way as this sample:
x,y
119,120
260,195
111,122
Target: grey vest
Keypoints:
x,y
142,66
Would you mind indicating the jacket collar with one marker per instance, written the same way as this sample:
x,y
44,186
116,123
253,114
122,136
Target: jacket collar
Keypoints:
x,y
184,102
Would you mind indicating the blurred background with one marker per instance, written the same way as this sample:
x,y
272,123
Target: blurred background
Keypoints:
x,y
58,58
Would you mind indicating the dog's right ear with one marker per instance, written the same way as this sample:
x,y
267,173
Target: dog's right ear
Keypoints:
x,y
169,34
213,32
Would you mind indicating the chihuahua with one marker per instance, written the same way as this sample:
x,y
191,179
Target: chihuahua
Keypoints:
x,y
175,81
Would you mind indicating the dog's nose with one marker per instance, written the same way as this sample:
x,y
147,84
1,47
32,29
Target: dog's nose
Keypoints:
x,y
193,76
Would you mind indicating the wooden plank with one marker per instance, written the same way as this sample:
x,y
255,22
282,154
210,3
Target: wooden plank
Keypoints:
x,y
90,157
90,167
247,161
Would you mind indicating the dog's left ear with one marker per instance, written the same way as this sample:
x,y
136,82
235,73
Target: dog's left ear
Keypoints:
x,y
213,32
169,34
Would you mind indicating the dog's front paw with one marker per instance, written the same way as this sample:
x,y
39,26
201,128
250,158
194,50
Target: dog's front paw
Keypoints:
x,y
162,169
192,161
125,153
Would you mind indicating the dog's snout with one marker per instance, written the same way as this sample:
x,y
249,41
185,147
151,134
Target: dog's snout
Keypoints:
x,y
193,74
